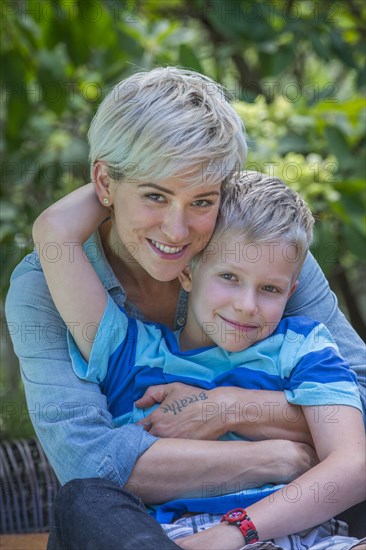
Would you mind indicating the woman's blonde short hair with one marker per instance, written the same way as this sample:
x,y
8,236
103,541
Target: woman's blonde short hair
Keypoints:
x,y
168,122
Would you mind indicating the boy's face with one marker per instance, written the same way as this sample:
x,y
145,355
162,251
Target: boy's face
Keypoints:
x,y
238,293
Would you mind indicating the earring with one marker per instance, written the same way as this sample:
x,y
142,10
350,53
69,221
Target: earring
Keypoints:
x,y
106,201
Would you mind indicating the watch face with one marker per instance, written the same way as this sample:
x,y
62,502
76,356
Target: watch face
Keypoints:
x,y
236,515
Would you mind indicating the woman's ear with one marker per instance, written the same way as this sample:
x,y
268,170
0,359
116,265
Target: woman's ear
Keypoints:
x,y
185,279
102,183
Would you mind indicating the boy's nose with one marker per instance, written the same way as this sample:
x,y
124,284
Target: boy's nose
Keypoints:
x,y
247,302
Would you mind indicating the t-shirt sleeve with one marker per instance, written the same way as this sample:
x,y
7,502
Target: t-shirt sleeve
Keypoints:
x,y
320,375
111,332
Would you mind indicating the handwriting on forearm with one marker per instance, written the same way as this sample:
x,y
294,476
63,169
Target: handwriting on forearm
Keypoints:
x,y
179,404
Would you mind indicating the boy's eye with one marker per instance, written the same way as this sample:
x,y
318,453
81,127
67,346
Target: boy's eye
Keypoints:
x,y
155,197
229,277
270,288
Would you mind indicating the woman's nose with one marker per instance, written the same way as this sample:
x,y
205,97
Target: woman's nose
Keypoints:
x,y
175,227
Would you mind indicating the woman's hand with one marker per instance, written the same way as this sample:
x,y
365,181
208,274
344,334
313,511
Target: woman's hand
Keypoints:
x,y
186,412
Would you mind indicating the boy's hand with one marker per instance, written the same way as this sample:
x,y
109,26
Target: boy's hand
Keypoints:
x,y
220,537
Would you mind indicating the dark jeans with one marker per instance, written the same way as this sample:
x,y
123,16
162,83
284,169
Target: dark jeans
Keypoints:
x,y
356,519
94,514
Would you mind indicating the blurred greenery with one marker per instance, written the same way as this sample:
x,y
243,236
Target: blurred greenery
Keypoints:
x,y
294,71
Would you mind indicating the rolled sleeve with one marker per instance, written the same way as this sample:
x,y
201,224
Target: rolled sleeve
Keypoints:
x,y
111,333
70,416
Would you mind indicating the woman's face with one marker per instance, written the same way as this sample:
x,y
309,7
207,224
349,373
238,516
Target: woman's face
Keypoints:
x,y
163,225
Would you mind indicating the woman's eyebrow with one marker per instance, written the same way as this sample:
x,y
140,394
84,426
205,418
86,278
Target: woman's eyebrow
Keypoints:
x,y
169,192
158,187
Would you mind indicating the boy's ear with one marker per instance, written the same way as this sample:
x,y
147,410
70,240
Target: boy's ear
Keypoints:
x,y
185,279
294,287
102,183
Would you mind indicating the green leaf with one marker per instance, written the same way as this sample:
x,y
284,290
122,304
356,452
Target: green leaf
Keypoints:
x,y
342,50
17,114
293,143
320,46
339,147
325,247
355,242
282,59
189,59
8,212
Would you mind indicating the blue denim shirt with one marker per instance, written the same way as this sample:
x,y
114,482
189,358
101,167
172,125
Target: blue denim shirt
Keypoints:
x,y
70,416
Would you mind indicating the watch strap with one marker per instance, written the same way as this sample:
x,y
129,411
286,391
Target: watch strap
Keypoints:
x,y
245,524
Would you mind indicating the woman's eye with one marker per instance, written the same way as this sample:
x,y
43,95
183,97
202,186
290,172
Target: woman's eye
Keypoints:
x,y
155,197
202,203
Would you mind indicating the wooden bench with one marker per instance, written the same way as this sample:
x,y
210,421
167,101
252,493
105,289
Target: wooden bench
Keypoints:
x,y
31,541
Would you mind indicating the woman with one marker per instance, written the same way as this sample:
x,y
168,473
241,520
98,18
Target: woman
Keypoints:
x,y
161,146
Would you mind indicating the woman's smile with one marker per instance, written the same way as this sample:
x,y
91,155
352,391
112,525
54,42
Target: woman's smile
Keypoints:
x,y
172,220
172,251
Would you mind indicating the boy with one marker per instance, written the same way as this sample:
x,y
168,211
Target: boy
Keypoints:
x,y
238,288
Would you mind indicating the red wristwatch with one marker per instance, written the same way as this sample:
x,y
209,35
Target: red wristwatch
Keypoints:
x,y
240,518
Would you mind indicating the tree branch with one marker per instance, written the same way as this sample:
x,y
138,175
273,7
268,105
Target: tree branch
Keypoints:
x,y
248,77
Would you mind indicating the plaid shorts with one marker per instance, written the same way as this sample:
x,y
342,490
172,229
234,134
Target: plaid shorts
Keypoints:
x,y
330,534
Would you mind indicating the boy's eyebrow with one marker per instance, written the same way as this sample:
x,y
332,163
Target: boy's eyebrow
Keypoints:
x,y
277,279
169,192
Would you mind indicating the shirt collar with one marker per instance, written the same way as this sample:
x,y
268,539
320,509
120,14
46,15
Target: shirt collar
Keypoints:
x,y
94,250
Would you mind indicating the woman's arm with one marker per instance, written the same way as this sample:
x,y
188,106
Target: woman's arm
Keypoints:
x,y
74,285
177,468
75,429
70,417
332,486
254,414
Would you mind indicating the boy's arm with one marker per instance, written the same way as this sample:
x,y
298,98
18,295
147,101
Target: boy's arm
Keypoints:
x,y
59,234
314,298
335,484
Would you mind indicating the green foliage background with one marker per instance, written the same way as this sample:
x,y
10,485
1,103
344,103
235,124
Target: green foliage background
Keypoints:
x,y
295,71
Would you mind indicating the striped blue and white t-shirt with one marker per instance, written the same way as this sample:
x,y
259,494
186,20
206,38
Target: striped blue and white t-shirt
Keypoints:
x,y
299,358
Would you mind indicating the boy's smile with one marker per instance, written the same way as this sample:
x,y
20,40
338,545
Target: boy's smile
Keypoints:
x,y
234,301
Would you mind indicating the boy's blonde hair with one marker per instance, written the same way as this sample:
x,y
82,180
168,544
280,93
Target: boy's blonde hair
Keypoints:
x,y
261,209
168,122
